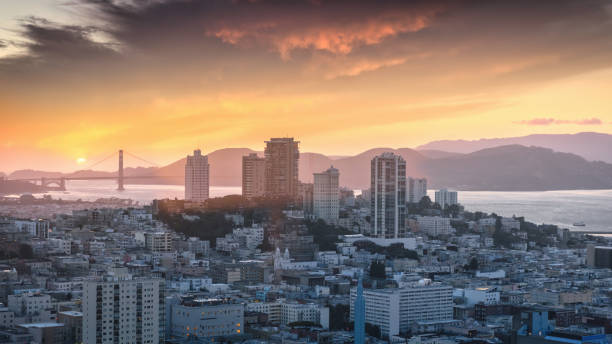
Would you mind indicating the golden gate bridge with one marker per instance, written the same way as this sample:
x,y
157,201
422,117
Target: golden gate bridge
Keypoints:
x,y
59,183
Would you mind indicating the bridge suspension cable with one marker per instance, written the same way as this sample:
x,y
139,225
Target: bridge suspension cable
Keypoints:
x,y
101,161
141,159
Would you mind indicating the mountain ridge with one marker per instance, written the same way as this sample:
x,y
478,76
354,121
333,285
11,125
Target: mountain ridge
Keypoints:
x,y
502,168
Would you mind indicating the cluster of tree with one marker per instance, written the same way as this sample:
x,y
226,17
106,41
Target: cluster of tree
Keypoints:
x,y
373,330
209,226
377,270
21,251
325,235
340,318
392,251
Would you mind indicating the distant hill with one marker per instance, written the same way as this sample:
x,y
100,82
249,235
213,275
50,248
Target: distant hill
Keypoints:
x,y
518,168
504,168
437,154
589,145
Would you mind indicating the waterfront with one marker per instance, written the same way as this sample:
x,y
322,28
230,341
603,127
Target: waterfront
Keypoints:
x,y
562,208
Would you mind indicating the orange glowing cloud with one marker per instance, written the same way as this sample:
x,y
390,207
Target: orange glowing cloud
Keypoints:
x,y
335,39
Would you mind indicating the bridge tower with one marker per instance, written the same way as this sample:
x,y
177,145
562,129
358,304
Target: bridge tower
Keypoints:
x,y
120,172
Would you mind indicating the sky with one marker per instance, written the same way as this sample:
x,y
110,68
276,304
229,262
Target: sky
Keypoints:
x,y
80,79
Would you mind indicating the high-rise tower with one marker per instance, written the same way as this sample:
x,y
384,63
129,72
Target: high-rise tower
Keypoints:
x,y
388,196
196,177
281,177
359,313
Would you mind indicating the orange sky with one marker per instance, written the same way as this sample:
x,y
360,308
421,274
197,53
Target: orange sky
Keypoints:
x,y
340,76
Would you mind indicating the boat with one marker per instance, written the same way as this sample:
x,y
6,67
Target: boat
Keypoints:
x,y
579,224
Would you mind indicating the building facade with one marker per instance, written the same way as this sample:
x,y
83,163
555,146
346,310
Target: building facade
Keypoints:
x,y
124,311
253,176
446,198
417,189
396,310
201,318
388,196
281,174
196,177
326,194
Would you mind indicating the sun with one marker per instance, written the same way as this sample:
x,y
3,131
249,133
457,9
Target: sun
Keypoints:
x,y
81,161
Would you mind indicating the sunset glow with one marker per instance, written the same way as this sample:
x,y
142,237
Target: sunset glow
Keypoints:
x,y
341,76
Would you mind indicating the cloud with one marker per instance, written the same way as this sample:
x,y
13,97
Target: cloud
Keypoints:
x,y
553,121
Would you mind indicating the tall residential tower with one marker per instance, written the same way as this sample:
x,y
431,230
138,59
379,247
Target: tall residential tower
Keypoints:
x,y
388,196
281,177
196,177
326,194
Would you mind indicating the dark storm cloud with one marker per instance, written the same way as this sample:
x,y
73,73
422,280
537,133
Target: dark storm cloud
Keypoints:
x,y
215,38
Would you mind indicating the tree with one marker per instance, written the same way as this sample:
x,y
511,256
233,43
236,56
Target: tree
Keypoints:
x,y
377,270
473,265
373,330
25,251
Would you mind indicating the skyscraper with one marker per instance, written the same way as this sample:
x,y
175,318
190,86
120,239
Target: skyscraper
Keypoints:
x,y
446,198
196,177
388,196
326,194
417,189
123,310
253,175
281,178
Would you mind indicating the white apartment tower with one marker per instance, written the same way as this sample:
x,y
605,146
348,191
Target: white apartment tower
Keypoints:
x,y
388,196
326,194
124,310
446,198
417,189
196,177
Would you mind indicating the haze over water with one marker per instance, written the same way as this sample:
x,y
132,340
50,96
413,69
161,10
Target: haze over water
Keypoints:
x,y
562,208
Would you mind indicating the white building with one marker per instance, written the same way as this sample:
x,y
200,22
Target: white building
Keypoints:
x,y
434,225
28,304
396,310
293,312
37,228
158,241
326,195
417,189
206,318
123,310
196,177
486,295
446,198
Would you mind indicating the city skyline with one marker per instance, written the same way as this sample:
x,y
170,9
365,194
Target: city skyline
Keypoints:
x,y
79,79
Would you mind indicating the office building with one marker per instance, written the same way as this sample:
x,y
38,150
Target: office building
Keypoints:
x,y
417,189
123,310
196,177
306,195
253,176
446,198
281,175
388,196
203,318
396,310
326,194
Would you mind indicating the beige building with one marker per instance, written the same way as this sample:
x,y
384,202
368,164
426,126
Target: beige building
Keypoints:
x,y
253,176
281,176
326,194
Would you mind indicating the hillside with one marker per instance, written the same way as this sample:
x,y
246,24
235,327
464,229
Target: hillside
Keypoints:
x,y
510,168
591,146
